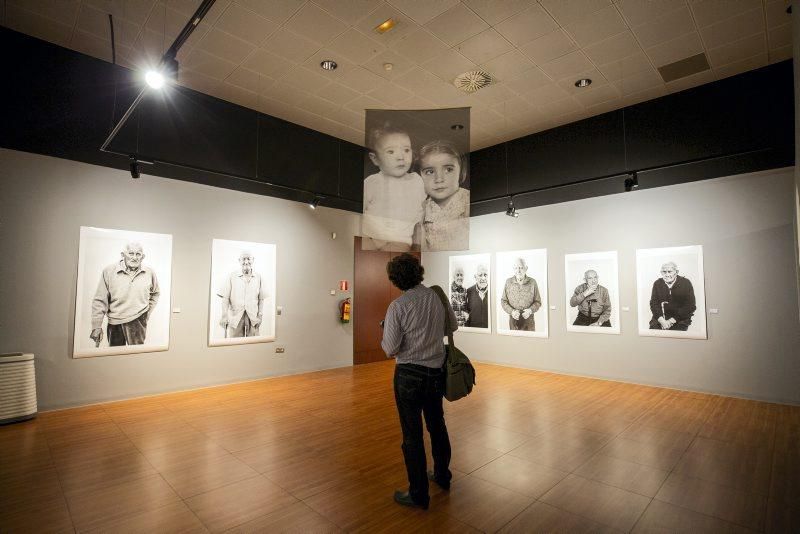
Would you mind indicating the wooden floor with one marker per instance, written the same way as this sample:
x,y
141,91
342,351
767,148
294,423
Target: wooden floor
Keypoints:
x,y
320,452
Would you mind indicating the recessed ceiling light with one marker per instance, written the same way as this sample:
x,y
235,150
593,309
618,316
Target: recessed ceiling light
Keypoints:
x,y
583,82
385,26
388,66
328,64
457,127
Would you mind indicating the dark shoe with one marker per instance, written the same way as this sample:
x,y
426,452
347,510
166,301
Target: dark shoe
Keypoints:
x,y
404,498
444,485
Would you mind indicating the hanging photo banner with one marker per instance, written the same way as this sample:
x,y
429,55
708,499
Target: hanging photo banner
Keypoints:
x,y
416,180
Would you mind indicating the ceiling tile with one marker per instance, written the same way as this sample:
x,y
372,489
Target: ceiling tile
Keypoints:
x,y
545,94
455,25
95,22
360,79
422,11
737,51
350,11
548,47
780,54
417,102
597,95
666,27
348,117
305,79
569,65
707,12
247,79
448,65
495,94
597,26
638,12
237,95
446,96
417,80
289,45
513,107
267,63
316,105
642,96
355,46
510,65
134,11
316,24
495,11
568,11
733,28
336,93
245,24
37,26
744,65
676,49
691,81
277,11
209,65
403,25
399,65
88,44
776,13
634,64
612,49
390,94
419,46
526,26
285,93
780,36
562,107
528,80
484,46
640,81
273,107
62,11
364,102
198,81
226,46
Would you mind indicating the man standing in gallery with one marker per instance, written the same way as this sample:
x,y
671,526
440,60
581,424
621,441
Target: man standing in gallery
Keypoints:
x,y
478,300
243,295
458,296
413,334
521,298
672,300
126,295
593,302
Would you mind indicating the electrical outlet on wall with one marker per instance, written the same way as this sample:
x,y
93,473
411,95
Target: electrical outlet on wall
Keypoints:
x,y
280,350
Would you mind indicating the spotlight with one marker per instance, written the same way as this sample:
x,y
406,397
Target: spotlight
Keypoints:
x,y
583,82
632,182
511,211
154,79
328,64
314,203
134,167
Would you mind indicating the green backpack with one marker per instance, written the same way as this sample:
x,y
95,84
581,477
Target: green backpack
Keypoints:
x,y
459,372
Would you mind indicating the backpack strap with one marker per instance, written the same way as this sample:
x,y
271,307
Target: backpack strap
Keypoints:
x,y
448,328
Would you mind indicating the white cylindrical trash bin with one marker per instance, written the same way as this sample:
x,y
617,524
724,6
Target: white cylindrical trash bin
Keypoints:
x,y
17,388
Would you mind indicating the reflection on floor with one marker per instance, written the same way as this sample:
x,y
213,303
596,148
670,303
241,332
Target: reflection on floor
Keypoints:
x,y
320,452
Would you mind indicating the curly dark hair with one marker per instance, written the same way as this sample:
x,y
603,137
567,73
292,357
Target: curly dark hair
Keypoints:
x,y
405,271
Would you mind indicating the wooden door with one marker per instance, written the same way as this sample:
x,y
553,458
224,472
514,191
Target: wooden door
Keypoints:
x,y
372,294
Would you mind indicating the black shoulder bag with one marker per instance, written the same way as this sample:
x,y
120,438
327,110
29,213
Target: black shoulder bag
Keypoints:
x,y
458,370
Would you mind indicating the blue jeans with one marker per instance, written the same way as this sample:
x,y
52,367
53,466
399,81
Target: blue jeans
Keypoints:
x,y
418,390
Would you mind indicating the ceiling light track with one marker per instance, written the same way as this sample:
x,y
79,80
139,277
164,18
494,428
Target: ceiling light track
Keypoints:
x,y
168,63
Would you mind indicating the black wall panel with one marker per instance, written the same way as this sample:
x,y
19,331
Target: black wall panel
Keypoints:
x,y
579,151
488,172
351,169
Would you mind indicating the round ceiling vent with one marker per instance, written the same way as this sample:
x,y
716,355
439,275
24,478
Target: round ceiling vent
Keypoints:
x,y
472,80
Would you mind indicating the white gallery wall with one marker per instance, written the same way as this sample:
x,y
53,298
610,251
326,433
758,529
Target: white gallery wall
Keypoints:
x,y
745,224
44,202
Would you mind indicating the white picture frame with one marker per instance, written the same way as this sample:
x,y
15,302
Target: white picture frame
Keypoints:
x,y
473,265
101,296
238,293
536,263
689,265
605,266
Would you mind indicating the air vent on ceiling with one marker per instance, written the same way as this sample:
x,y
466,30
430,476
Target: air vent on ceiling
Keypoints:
x,y
684,67
472,80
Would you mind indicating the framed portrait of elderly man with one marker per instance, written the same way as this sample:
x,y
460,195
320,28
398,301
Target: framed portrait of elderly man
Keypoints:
x,y
671,292
592,292
242,302
469,292
521,293
122,302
